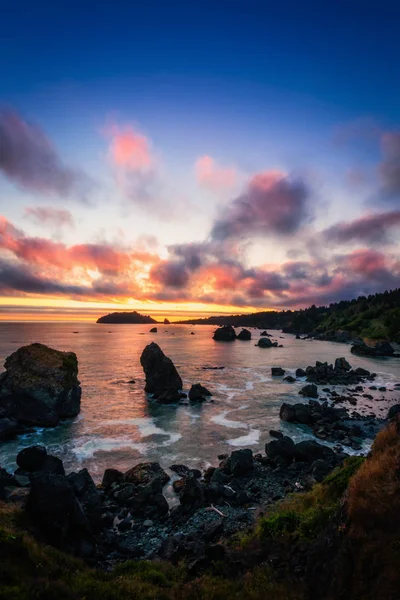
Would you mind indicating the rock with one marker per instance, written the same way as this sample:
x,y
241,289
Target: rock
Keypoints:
x,y
153,330
125,524
382,348
289,379
393,411
9,428
300,373
265,333
178,485
40,386
32,458
287,413
55,509
302,413
245,335
22,480
277,371
241,462
160,372
310,451
342,364
283,448
88,495
111,476
169,397
145,473
148,523
181,470
320,469
198,393
52,466
192,495
310,390
265,342
226,333
275,434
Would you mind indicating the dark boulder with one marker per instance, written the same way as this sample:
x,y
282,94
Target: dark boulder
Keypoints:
x,y
192,494
393,411
300,373
265,333
9,428
275,434
226,333
283,448
160,372
32,459
168,397
55,509
52,466
277,371
245,335
265,342
310,451
295,413
241,462
287,412
342,364
198,393
40,386
289,379
382,348
111,476
310,390
153,330
88,495
145,473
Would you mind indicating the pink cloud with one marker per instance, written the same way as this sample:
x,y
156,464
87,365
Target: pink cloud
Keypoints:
x,y
43,215
210,175
129,149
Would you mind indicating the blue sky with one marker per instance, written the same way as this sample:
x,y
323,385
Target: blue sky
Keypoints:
x,y
309,90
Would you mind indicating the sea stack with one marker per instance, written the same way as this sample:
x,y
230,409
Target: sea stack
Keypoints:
x,y
226,333
40,386
161,374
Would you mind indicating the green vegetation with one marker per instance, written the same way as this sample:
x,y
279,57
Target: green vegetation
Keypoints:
x,y
375,316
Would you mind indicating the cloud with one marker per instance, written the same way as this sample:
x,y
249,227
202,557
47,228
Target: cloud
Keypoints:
x,y
28,158
19,278
172,274
47,215
211,176
129,149
273,203
370,228
389,169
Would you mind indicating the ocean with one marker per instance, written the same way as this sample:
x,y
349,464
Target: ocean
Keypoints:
x,y
118,426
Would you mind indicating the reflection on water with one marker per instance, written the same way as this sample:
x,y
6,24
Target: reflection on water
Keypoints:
x,y
119,427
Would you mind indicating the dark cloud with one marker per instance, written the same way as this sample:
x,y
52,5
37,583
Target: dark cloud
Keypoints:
x,y
48,215
170,273
28,158
370,229
272,203
18,278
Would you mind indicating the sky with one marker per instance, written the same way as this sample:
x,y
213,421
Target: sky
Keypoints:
x,y
196,158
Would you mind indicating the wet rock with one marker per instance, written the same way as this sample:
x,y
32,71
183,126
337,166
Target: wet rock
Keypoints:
x,y
310,390
265,342
241,462
275,434
192,495
382,348
265,333
169,397
289,379
244,335
32,458
52,466
198,393
153,330
283,448
111,476
9,429
342,364
181,470
145,473
277,371
178,485
161,374
300,373
88,495
40,386
393,411
226,333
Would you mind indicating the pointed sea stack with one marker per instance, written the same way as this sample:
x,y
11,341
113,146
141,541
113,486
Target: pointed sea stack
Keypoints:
x,y
161,374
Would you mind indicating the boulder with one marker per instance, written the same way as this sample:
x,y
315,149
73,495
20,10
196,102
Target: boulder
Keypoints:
x,y
310,390
88,495
295,413
32,459
310,451
9,428
111,476
52,466
241,462
382,348
265,333
153,330
160,372
198,393
265,342
342,364
245,335
300,373
283,448
277,371
55,509
40,386
226,333
393,411
289,379
287,412
145,473
168,397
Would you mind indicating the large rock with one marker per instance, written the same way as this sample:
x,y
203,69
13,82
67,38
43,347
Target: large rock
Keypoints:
x,y
161,374
342,364
40,386
31,459
295,413
393,411
240,462
310,390
9,428
225,334
283,448
56,511
88,495
265,342
310,451
277,371
382,348
145,473
198,393
245,335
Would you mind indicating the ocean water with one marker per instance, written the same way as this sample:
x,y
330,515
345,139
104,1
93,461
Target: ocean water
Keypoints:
x,y
118,426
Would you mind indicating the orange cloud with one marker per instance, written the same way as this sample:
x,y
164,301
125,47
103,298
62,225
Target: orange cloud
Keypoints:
x,y
210,175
